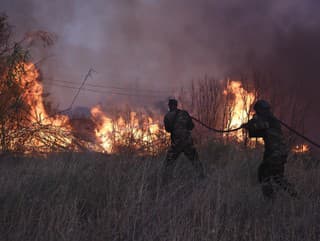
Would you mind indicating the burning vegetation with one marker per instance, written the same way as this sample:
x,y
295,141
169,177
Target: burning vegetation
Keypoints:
x,y
35,130
134,132
29,127
238,109
240,106
26,125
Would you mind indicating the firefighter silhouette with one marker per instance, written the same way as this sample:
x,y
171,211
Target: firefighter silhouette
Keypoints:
x,y
271,170
179,124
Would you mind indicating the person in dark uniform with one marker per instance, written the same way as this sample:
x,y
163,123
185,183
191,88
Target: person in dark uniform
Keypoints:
x,y
179,124
271,170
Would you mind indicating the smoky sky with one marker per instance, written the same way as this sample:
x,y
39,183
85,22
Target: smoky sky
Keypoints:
x,y
163,44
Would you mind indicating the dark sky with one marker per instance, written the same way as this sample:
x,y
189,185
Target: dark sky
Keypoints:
x,y
161,44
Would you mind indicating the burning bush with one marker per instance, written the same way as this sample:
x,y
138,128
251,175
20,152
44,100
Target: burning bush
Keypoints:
x,y
25,125
131,131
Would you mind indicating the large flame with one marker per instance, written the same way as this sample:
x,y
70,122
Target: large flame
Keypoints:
x,y
46,133
239,112
135,132
240,104
33,97
239,101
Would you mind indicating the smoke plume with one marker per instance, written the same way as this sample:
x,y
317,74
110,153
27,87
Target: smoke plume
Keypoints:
x,y
161,45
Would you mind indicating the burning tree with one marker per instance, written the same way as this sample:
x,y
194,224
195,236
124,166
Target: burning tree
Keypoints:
x,y
131,131
11,103
25,125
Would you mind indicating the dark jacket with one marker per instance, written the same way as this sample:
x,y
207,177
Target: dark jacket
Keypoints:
x,y
269,128
178,123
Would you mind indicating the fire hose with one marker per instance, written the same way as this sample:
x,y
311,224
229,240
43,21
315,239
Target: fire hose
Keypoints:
x,y
213,129
299,134
240,127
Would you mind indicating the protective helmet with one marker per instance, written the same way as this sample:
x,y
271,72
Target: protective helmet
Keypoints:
x,y
261,106
173,102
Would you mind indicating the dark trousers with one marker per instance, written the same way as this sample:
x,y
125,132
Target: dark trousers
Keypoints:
x,y
174,152
271,177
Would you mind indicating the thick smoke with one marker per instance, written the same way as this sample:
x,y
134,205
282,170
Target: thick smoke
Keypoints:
x,y
160,45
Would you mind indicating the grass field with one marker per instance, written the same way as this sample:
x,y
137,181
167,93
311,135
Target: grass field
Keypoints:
x,y
92,197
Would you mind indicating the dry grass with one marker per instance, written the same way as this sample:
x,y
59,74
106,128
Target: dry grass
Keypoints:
x,y
98,197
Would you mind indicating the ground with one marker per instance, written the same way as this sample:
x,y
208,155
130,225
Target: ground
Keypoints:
x,y
92,196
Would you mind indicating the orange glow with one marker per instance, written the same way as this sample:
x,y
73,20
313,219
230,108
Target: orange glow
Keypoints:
x,y
42,132
303,148
33,97
238,106
129,130
135,132
50,130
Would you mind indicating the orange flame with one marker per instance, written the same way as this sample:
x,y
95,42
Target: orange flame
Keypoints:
x,y
33,97
56,126
138,132
302,148
238,106
133,132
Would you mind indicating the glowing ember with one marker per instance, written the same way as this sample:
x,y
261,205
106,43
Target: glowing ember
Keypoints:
x,y
303,148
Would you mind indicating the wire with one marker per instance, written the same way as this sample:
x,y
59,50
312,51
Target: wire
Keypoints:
x,y
110,87
89,74
101,91
213,129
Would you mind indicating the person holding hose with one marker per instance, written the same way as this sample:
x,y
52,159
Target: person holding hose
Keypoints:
x,y
179,124
271,170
